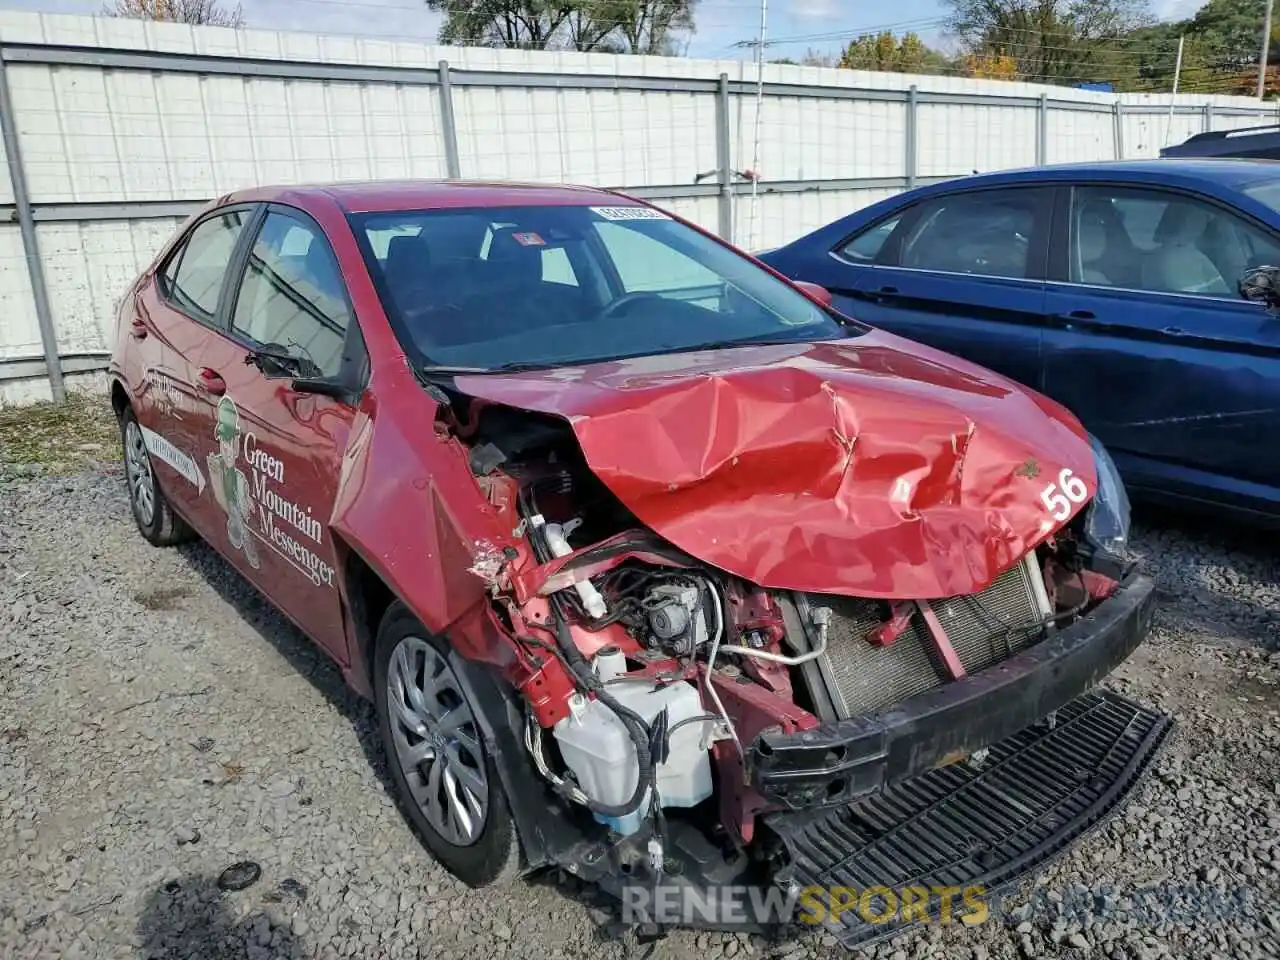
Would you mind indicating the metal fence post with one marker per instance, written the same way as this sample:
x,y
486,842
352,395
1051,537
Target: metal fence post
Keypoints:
x,y
724,163
30,245
1118,111
1042,131
1208,117
911,160
448,125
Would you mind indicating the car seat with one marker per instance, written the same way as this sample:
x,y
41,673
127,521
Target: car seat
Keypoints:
x,y
1178,264
1105,253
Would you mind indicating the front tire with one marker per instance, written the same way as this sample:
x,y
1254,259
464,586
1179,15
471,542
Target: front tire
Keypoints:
x,y
151,511
448,786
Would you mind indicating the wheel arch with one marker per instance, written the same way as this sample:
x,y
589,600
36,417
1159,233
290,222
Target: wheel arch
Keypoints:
x,y
120,398
499,709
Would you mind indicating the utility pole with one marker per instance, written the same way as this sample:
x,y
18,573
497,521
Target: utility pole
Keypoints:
x,y
1266,52
1177,72
755,151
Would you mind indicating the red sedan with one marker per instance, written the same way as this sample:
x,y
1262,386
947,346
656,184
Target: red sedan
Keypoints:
x,y
656,567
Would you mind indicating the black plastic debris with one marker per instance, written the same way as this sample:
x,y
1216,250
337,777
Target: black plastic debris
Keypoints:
x,y
239,876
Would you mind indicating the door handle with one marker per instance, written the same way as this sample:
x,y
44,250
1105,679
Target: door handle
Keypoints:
x,y
1173,331
137,328
1084,319
881,294
211,382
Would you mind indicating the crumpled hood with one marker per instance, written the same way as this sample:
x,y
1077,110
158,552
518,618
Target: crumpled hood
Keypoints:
x,y
871,467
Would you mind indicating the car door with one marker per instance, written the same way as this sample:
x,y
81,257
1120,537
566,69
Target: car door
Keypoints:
x,y
1151,345
176,319
962,272
274,451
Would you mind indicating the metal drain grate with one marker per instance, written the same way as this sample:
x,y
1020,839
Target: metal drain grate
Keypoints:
x,y
1036,793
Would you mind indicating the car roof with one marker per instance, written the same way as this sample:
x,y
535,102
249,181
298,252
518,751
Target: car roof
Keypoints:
x,y
1223,171
375,196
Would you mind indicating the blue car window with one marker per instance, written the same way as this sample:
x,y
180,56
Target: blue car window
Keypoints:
x,y
866,246
984,234
1143,239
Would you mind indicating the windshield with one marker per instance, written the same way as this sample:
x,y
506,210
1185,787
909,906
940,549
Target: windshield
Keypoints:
x,y
1265,191
553,285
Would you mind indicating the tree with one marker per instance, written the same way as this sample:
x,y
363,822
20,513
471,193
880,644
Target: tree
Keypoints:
x,y
178,11
812,58
887,53
993,66
604,26
1049,40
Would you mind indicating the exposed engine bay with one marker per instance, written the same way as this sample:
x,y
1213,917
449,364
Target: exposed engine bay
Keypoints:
x,y
650,676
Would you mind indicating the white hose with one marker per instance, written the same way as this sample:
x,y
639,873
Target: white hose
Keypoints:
x,y
711,665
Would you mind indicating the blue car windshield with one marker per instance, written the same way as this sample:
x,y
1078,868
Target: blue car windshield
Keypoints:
x,y
553,285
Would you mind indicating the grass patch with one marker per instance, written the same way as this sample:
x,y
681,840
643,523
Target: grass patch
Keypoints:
x,y
59,438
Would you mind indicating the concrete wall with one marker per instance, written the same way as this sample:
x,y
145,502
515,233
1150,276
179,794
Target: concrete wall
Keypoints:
x,y
124,127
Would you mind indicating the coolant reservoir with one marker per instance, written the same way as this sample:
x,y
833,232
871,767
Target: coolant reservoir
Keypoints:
x,y
597,748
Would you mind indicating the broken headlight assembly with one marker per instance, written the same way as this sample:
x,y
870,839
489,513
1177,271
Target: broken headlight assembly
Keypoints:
x,y
1106,520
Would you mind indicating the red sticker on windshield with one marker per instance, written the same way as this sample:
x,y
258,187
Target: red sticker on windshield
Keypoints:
x,y
528,239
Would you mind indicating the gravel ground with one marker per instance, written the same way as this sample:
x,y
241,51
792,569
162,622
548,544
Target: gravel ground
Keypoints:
x,y
161,722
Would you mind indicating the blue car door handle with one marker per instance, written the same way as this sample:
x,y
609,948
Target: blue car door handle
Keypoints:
x,y
1079,320
882,294
1173,331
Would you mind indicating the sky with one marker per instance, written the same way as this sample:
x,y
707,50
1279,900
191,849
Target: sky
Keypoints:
x,y
792,26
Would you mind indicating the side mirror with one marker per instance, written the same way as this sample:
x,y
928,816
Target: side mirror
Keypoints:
x,y
815,290
1262,285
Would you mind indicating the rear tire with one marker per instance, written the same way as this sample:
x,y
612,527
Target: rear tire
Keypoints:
x,y
151,511
447,784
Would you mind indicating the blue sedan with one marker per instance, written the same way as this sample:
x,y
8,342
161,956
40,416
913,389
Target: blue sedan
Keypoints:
x,y
1111,287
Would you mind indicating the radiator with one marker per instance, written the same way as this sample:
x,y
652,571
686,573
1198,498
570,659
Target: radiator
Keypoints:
x,y
983,628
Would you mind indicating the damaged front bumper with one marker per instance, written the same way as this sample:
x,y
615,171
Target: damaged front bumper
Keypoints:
x,y
839,762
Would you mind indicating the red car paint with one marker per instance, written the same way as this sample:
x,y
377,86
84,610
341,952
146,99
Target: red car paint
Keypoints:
x,y
874,467
871,467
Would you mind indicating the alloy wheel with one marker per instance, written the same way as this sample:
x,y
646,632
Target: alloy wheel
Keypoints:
x,y
437,741
137,465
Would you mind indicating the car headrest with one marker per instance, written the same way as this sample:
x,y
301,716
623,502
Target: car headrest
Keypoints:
x,y
1182,223
406,255
521,261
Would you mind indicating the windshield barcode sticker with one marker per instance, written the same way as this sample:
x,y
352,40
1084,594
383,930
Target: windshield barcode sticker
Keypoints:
x,y
630,213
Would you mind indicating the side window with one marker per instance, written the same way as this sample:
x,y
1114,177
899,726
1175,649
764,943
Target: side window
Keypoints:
x,y
866,246
985,234
292,294
1143,239
193,276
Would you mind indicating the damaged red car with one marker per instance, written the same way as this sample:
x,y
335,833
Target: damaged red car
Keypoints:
x,y
657,568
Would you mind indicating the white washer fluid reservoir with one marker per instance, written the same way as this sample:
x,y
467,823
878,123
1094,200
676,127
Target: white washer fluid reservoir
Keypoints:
x,y
597,748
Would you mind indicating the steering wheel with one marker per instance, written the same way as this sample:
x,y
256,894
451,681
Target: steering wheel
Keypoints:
x,y
625,303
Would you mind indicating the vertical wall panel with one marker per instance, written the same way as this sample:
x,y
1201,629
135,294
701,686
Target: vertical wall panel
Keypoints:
x,y
19,330
1075,136
956,139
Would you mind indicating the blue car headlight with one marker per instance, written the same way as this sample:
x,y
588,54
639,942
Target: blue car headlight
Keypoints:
x,y
1106,521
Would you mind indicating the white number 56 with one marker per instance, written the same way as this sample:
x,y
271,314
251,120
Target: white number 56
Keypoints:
x,y
1058,497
